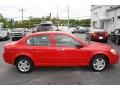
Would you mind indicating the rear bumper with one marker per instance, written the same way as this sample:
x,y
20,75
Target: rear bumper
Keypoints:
x,y
8,58
17,36
98,38
3,38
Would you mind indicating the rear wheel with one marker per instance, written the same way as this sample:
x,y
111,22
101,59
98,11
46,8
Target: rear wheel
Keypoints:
x,y
24,65
98,63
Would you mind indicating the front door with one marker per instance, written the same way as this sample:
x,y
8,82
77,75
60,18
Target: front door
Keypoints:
x,y
70,54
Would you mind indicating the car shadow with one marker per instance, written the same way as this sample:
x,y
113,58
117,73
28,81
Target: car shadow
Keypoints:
x,y
60,69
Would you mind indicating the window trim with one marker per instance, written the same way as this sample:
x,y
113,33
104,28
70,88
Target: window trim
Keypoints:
x,y
66,36
38,36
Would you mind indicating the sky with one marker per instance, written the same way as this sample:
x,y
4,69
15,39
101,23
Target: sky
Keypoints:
x,y
37,8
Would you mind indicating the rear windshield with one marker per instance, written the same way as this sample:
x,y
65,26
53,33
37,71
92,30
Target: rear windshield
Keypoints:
x,y
46,25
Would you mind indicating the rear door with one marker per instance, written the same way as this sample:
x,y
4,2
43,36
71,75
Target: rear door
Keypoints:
x,y
41,48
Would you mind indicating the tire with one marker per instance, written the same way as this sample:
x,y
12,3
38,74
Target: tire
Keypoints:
x,y
13,39
6,38
27,65
98,63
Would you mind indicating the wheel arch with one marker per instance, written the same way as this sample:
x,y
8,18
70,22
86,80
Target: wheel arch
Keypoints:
x,y
26,56
100,54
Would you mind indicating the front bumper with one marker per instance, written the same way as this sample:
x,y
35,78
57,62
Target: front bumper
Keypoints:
x,y
113,59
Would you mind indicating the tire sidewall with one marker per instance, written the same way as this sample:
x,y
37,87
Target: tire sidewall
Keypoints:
x,y
92,61
28,60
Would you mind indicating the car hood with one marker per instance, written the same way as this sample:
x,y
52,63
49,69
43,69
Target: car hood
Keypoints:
x,y
100,45
16,32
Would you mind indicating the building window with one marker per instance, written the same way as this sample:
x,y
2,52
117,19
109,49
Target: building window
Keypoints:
x,y
94,24
118,17
102,25
95,13
113,19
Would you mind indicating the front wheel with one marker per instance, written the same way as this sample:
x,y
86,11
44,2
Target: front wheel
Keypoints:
x,y
24,65
98,63
13,39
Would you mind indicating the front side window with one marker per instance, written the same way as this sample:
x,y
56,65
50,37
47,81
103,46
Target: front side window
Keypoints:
x,y
39,41
118,17
65,41
116,32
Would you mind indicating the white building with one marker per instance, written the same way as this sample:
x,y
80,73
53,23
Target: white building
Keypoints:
x,y
105,17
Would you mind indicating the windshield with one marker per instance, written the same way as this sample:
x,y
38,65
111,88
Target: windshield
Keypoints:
x,y
46,25
2,33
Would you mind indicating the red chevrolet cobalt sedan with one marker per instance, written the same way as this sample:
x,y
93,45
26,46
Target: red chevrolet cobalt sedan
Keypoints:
x,y
55,48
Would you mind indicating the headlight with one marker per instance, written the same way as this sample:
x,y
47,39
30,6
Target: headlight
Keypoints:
x,y
113,51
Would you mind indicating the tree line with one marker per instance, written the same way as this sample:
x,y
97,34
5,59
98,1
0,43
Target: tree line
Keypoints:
x,y
34,21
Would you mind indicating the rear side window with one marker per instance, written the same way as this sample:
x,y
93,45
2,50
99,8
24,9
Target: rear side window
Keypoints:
x,y
46,25
39,41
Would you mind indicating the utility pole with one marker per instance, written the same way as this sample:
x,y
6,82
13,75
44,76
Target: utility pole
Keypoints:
x,y
22,13
57,17
68,16
50,17
29,23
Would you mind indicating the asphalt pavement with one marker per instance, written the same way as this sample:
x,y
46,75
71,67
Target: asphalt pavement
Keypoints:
x,y
59,75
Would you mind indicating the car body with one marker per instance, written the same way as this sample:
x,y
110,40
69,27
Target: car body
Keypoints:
x,y
80,30
45,26
115,36
17,33
54,48
4,35
98,35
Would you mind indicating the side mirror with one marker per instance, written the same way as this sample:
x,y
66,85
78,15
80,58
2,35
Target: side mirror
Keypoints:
x,y
112,32
78,46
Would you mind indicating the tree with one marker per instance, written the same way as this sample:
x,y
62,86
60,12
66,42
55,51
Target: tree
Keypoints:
x,y
33,21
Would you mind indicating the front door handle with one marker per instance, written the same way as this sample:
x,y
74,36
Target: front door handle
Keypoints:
x,y
61,50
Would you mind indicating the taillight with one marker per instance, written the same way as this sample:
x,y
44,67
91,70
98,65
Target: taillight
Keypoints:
x,y
33,31
94,34
106,33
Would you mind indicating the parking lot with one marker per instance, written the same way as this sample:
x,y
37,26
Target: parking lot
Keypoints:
x,y
59,75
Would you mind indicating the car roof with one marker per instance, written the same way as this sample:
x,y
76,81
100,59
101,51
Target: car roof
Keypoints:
x,y
97,30
48,32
